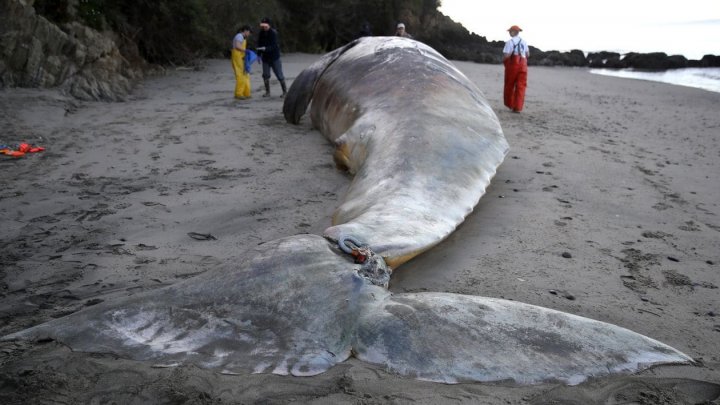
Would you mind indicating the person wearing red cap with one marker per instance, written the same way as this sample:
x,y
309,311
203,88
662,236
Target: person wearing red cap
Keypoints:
x,y
515,57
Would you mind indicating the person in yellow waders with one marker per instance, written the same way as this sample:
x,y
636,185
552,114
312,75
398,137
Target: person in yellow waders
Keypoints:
x,y
242,78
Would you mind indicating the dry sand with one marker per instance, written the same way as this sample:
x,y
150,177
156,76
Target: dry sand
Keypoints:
x,y
620,174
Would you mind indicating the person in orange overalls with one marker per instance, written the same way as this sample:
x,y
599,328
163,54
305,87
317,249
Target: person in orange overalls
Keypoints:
x,y
515,57
242,77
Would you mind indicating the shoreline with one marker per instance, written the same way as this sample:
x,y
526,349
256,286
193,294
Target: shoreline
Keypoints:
x,y
702,78
618,173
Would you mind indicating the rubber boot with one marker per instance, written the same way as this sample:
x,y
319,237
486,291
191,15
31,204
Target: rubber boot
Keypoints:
x,y
284,88
267,88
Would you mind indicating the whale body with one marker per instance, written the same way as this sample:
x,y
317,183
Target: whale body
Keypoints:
x,y
423,145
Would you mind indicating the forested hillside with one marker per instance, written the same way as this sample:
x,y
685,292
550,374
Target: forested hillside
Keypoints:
x,y
176,31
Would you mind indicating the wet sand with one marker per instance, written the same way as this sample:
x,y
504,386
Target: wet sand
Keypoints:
x,y
606,207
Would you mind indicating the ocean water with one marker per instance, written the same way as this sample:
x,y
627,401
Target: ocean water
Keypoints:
x,y
701,78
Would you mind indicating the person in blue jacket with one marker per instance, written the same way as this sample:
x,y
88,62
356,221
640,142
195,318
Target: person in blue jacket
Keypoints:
x,y
269,52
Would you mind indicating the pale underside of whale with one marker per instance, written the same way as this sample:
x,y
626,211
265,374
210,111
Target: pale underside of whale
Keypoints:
x,y
298,305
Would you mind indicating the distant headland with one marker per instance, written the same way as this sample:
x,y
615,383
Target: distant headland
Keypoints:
x,y
97,49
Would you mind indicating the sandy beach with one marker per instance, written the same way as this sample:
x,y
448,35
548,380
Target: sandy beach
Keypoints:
x,y
607,207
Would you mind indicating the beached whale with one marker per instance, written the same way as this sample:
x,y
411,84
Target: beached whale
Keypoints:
x,y
420,138
423,145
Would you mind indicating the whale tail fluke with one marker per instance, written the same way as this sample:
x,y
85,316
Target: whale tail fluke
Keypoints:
x,y
285,310
299,307
455,338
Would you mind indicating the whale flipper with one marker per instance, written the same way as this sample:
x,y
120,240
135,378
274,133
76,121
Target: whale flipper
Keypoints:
x,y
454,338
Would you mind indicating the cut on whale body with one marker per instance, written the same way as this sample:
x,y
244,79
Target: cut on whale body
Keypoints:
x,y
298,306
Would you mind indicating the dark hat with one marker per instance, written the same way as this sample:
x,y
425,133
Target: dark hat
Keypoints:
x,y
265,20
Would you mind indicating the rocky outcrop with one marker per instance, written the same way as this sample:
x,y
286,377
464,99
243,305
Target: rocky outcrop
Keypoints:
x,y
604,60
477,49
34,52
648,61
653,61
706,61
555,58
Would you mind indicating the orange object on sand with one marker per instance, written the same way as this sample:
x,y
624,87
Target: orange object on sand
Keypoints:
x,y
21,150
13,153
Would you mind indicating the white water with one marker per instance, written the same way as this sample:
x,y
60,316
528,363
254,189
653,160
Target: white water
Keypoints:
x,y
702,78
